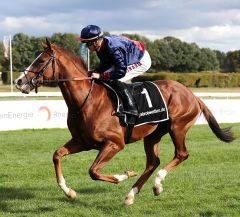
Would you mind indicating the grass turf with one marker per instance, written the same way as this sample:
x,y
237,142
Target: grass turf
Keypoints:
x,y
205,185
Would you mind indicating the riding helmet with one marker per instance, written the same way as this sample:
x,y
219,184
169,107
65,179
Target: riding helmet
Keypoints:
x,y
90,32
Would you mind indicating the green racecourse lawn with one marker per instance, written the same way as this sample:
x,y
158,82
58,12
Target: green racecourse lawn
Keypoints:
x,y
206,185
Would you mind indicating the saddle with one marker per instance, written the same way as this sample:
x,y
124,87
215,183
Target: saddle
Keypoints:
x,y
150,104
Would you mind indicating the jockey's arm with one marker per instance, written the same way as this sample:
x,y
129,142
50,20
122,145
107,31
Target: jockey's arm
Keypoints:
x,y
119,68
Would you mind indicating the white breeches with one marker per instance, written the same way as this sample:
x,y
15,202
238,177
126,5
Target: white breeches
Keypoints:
x,y
138,69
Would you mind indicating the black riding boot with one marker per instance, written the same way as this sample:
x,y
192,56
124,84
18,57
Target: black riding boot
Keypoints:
x,y
127,98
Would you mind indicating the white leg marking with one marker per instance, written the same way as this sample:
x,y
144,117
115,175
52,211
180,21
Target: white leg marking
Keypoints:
x,y
160,177
158,189
133,192
130,197
125,176
70,193
121,177
63,186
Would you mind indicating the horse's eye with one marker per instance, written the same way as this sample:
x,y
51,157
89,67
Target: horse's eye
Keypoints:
x,y
41,61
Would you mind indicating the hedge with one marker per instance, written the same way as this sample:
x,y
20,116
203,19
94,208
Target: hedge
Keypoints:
x,y
6,77
199,79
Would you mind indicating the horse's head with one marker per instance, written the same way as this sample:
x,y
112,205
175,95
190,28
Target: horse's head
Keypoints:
x,y
42,68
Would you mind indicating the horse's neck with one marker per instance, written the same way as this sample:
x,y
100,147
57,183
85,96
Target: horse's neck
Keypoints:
x,y
69,69
74,92
66,94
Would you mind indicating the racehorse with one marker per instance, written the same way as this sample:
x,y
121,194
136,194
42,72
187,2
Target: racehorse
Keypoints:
x,y
93,125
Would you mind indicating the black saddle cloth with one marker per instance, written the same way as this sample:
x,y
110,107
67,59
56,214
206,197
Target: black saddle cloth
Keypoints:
x,y
149,100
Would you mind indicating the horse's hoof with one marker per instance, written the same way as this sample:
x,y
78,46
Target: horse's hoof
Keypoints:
x,y
129,200
72,195
130,173
158,189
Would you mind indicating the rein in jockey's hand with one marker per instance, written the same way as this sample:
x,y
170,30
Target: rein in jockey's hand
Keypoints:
x,y
90,72
96,75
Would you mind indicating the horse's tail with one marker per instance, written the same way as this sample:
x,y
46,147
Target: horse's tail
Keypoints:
x,y
224,134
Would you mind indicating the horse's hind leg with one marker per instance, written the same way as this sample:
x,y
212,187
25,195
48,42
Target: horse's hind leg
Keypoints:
x,y
153,161
70,147
181,154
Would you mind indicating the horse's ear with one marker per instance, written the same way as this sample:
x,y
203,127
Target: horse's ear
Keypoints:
x,y
48,44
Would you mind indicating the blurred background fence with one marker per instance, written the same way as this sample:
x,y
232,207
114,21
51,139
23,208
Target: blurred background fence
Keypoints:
x,y
48,109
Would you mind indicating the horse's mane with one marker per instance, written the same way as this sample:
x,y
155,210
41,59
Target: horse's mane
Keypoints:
x,y
78,60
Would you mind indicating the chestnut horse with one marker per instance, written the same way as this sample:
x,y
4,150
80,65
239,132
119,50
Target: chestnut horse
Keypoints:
x,y
93,125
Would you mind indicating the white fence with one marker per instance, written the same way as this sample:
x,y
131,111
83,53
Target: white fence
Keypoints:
x,y
32,114
217,95
31,94
57,94
224,110
22,114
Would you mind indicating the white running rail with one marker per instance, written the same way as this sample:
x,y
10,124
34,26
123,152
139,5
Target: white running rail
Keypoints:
x,y
217,94
57,94
31,94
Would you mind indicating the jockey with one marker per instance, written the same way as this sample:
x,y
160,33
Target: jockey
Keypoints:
x,y
120,60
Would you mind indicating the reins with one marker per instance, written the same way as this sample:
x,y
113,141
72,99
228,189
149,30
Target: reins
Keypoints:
x,y
64,79
74,79
89,93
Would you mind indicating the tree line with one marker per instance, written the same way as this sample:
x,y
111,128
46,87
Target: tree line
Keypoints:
x,y
168,54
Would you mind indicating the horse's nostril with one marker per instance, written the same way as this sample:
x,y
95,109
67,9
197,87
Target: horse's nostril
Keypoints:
x,y
19,82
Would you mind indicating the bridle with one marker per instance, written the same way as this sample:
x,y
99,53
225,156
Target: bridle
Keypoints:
x,y
34,82
52,60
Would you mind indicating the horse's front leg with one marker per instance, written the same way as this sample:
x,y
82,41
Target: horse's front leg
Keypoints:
x,y
109,150
70,147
